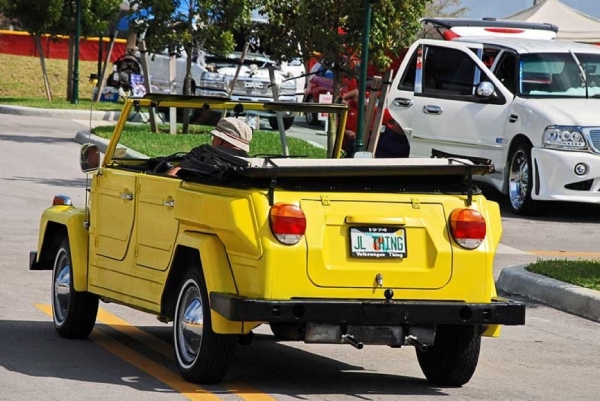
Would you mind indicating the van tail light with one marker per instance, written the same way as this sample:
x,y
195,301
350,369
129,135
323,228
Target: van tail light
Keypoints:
x,y
288,223
467,227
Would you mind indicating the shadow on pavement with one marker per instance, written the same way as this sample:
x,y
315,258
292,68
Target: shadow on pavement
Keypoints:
x,y
34,139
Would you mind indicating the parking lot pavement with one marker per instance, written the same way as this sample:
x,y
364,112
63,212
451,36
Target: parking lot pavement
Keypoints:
x,y
512,279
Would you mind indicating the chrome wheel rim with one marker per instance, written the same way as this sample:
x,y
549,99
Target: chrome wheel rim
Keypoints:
x,y
190,324
518,180
61,289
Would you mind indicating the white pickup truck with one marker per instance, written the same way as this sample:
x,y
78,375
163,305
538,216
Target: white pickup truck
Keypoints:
x,y
506,91
252,84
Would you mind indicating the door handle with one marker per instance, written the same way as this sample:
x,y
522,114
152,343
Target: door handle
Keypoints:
x,y
169,203
431,109
126,196
402,102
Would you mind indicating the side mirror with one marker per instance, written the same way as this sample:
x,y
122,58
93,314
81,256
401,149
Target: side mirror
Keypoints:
x,y
89,158
485,89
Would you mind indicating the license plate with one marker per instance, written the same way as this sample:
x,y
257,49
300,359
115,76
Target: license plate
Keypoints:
x,y
377,242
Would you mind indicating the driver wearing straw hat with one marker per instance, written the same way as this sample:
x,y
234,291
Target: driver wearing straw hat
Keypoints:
x,y
231,135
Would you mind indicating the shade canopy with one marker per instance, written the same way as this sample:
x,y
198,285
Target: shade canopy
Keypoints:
x,y
572,24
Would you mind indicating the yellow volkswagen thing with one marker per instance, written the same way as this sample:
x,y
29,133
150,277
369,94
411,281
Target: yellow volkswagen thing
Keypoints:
x,y
353,251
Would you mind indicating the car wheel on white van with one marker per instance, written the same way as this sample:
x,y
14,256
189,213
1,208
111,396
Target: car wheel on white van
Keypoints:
x,y
520,180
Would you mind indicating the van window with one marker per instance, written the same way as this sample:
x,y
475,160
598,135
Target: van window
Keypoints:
x,y
448,72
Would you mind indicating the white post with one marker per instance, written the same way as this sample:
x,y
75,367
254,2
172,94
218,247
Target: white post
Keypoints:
x,y
173,90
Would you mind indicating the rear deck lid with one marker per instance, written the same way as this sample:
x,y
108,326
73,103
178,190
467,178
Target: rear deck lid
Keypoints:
x,y
364,244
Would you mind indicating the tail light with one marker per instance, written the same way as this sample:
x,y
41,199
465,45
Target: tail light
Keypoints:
x,y
288,223
467,227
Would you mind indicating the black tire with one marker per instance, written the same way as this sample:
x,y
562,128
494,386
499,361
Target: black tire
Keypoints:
x,y
312,118
453,358
287,122
520,180
74,313
202,355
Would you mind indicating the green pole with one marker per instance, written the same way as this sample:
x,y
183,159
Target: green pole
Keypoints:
x,y
75,93
362,83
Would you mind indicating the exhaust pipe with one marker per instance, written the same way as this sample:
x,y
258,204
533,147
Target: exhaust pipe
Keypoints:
x,y
412,340
348,339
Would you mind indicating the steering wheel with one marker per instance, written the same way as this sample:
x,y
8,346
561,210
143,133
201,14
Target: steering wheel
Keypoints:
x,y
165,164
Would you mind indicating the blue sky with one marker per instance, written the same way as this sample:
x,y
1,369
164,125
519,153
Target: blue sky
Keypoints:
x,y
502,8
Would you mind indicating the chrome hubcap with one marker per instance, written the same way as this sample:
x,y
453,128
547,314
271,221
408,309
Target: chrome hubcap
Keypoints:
x,y
190,323
62,286
519,180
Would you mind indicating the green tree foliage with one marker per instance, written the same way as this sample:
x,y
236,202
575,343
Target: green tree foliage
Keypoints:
x,y
96,17
332,30
446,9
178,25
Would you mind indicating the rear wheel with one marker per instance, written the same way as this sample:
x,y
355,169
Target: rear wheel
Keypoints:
x,y
202,355
287,122
453,358
74,313
312,118
520,180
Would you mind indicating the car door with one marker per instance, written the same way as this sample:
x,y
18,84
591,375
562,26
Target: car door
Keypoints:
x,y
403,90
156,225
448,114
114,212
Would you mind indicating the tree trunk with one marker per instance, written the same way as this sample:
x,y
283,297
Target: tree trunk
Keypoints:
x,y
187,86
70,68
102,77
40,49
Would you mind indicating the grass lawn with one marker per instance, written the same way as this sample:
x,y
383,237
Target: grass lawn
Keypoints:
x,y
584,273
22,83
139,138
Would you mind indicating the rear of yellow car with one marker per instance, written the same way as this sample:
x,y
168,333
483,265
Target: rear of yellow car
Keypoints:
x,y
377,268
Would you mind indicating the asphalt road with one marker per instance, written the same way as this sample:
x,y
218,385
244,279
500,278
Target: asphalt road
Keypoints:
x,y
553,357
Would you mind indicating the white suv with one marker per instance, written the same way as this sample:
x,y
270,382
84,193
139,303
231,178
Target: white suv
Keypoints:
x,y
529,105
253,82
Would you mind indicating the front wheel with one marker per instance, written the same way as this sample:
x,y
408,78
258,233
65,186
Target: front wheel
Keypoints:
x,y
287,122
453,358
520,180
202,355
74,313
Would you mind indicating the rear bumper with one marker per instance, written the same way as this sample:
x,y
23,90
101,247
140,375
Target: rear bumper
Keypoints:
x,y
500,311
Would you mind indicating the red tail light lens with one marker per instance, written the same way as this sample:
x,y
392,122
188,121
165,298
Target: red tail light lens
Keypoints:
x,y
288,223
467,227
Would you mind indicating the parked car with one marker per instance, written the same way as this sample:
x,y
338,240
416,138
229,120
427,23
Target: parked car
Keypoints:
x,y
510,94
360,252
252,84
128,66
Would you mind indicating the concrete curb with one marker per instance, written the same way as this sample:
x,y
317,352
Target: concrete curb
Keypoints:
x,y
86,137
61,113
557,294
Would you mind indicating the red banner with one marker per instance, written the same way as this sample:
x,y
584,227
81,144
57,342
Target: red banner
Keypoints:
x,y
23,44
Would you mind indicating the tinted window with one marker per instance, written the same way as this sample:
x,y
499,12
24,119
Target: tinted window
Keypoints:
x,y
447,71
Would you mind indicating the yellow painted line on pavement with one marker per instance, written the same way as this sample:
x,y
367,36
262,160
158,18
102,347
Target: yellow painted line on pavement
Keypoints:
x,y
171,379
559,253
165,349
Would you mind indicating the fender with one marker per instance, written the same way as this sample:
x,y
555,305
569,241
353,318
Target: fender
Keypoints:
x,y
72,219
218,276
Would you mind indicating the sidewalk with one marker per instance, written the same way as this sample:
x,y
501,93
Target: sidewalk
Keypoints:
x,y
512,280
